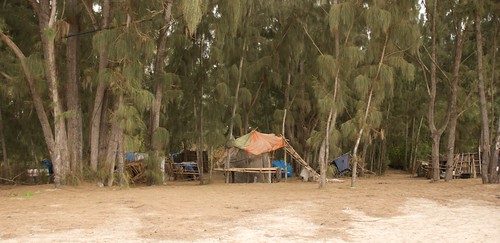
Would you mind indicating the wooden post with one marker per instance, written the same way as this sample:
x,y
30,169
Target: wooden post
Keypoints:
x,y
479,160
284,150
266,157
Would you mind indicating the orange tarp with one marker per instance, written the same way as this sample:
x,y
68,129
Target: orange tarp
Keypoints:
x,y
258,143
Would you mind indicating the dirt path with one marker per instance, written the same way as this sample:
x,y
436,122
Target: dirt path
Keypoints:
x,y
392,208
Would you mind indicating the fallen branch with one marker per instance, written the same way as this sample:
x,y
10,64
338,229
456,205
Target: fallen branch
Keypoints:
x,y
9,180
335,180
13,178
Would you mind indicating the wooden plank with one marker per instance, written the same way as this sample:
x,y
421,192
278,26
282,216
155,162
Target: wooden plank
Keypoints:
x,y
250,170
301,161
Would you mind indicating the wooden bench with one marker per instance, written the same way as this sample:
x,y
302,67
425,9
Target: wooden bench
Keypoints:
x,y
184,171
276,171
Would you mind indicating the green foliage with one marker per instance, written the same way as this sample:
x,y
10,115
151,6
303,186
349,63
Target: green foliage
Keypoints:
x,y
327,66
331,171
378,19
143,99
245,97
362,85
348,130
407,69
222,90
341,14
192,13
315,139
3,26
277,41
129,119
231,12
50,33
353,55
153,173
161,138
35,66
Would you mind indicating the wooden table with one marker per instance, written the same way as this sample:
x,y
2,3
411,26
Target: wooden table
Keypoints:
x,y
270,170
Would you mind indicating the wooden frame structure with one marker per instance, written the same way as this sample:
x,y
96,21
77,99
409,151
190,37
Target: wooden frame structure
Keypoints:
x,y
276,171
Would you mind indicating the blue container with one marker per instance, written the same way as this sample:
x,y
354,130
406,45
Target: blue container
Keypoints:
x,y
281,164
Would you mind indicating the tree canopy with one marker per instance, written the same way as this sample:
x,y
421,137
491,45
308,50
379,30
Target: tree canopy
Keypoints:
x,y
82,82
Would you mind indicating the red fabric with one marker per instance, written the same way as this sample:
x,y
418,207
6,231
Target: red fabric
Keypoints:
x,y
263,143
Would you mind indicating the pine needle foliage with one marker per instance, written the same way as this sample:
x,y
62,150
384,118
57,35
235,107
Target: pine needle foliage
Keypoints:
x,y
342,14
378,19
192,12
161,138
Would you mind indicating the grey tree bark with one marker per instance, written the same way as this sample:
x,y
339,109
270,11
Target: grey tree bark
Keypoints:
x,y
161,54
459,43
46,13
75,136
485,138
96,116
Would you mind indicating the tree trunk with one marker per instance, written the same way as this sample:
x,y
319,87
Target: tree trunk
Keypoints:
x,y
332,115
233,113
37,100
96,116
120,159
355,156
493,85
495,149
485,143
105,129
5,163
323,156
73,89
161,53
459,43
46,12
435,133
362,162
365,118
436,173
287,131
200,141
496,152
406,164
114,140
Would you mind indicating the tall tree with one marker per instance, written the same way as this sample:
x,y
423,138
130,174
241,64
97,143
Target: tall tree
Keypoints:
x,y
384,58
341,17
102,82
5,163
158,68
436,133
73,103
460,25
485,132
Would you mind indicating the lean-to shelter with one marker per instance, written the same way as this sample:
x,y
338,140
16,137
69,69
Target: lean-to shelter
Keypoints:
x,y
250,157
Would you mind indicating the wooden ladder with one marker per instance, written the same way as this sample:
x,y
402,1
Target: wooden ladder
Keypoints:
x,y
301,161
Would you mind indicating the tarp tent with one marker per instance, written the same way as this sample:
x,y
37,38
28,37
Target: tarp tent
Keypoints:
x,y
342,163
257,143
252,151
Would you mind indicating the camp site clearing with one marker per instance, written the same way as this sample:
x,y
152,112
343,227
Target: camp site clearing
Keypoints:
x,y
391,208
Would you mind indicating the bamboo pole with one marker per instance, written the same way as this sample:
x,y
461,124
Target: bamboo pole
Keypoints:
x,y
284,149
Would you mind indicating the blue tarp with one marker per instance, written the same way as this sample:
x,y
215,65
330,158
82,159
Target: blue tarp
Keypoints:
x,y
135,156
342,162
281,164
48,164
130,156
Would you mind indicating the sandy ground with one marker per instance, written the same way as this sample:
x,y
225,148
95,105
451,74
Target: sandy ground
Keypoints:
x,y
391,208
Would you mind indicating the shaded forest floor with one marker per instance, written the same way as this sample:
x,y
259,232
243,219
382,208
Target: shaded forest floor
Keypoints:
x,y
390,208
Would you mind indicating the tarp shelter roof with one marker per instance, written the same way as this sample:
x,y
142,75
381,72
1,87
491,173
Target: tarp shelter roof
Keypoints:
x,y
258,143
